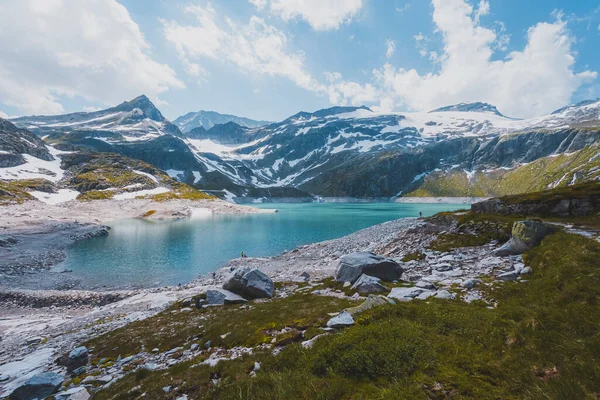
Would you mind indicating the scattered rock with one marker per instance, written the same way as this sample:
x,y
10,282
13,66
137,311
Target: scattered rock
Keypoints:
x,y
425,285
444,294
405,294
194,347
222,296
78,357
342,320
4,378
351,266
508,276
33,340
470,283
525,235
368,284
38,386
77,393
442,267
251,283
526,271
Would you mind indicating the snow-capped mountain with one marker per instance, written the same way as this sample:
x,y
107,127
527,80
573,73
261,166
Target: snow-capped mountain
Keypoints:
x,y
339,151
130,121
208,119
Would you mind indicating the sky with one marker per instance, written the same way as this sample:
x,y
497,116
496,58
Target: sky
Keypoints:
x,y
269,59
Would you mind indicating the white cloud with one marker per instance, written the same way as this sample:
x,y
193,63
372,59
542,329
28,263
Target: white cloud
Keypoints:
x,y
405,7
483,9
322,15
390,48
3,115
255,48
91,108
530,82
89,48
259,4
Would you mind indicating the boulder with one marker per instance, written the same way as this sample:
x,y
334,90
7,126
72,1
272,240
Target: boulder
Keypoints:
x,y
406,294
341,320
77,393
425,285
221,297
351,266
525,235
368,284
38,386
251,283
444,294
508,276
78,358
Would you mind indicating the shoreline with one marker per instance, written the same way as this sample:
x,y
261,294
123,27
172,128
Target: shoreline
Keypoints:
x,y
439,200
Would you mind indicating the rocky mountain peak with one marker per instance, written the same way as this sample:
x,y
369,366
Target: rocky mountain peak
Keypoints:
x,y
470,107
144,104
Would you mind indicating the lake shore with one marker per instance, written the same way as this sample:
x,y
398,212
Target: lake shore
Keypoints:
x,y
439,200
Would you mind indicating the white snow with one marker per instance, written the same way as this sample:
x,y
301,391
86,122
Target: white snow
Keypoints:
x,y
197,176
24,369
62,196
201,213
32,169
174,173
229,196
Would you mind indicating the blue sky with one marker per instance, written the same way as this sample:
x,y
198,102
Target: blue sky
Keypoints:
x,y
268,59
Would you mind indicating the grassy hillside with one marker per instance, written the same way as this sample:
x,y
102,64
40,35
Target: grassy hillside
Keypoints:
x,y
547,172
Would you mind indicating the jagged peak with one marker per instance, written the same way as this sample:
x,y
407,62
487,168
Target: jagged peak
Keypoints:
x,y
470,107
324,112
143,103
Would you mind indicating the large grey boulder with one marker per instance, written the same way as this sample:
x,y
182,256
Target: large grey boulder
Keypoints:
x,y
352,266
38,386
221,297
251,283
368,284
373,300
525,235
342,320
78,357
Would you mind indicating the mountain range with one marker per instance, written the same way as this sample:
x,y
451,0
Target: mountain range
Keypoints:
x,y
208,119
468,149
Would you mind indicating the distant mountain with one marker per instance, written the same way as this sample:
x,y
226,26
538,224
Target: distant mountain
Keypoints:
x,y
16,143
471,107
349,151
208,119
133,120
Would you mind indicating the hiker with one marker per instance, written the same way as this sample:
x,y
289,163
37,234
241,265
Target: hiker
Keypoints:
x,y
244,255
420,214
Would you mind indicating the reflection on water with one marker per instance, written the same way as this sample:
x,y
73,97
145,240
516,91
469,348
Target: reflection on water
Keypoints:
x,y
142,253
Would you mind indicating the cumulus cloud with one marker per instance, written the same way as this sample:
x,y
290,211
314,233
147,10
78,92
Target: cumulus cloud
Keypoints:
x,y
390,46
3,115
93,49
322,15
255,48
530,82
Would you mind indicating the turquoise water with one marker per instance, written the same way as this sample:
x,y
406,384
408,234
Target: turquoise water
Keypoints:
x,y
140,253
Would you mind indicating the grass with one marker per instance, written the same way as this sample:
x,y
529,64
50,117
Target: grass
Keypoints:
x,y
149,213
540,342
96,195
182,191
249,326
415,256
16,191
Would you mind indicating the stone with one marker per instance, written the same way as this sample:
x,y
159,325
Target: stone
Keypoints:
x,y
371,301
78,357
4,378
166,389
526,271
470,283
525,235
351,266
104,379
79,371
425,295
368,284
207,345
508,276
444,294
442,267
194,347
251,283
256,366
77,393
38,386
186,302
221,297
342,320
302,278
425,285
33,340
405,294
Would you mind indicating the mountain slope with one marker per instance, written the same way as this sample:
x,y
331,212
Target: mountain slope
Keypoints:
x,y
208,119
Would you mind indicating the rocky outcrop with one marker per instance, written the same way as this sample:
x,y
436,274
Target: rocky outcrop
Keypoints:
x,y
38,387
525,236
351,266
15,142
342,320
576,201
250,283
